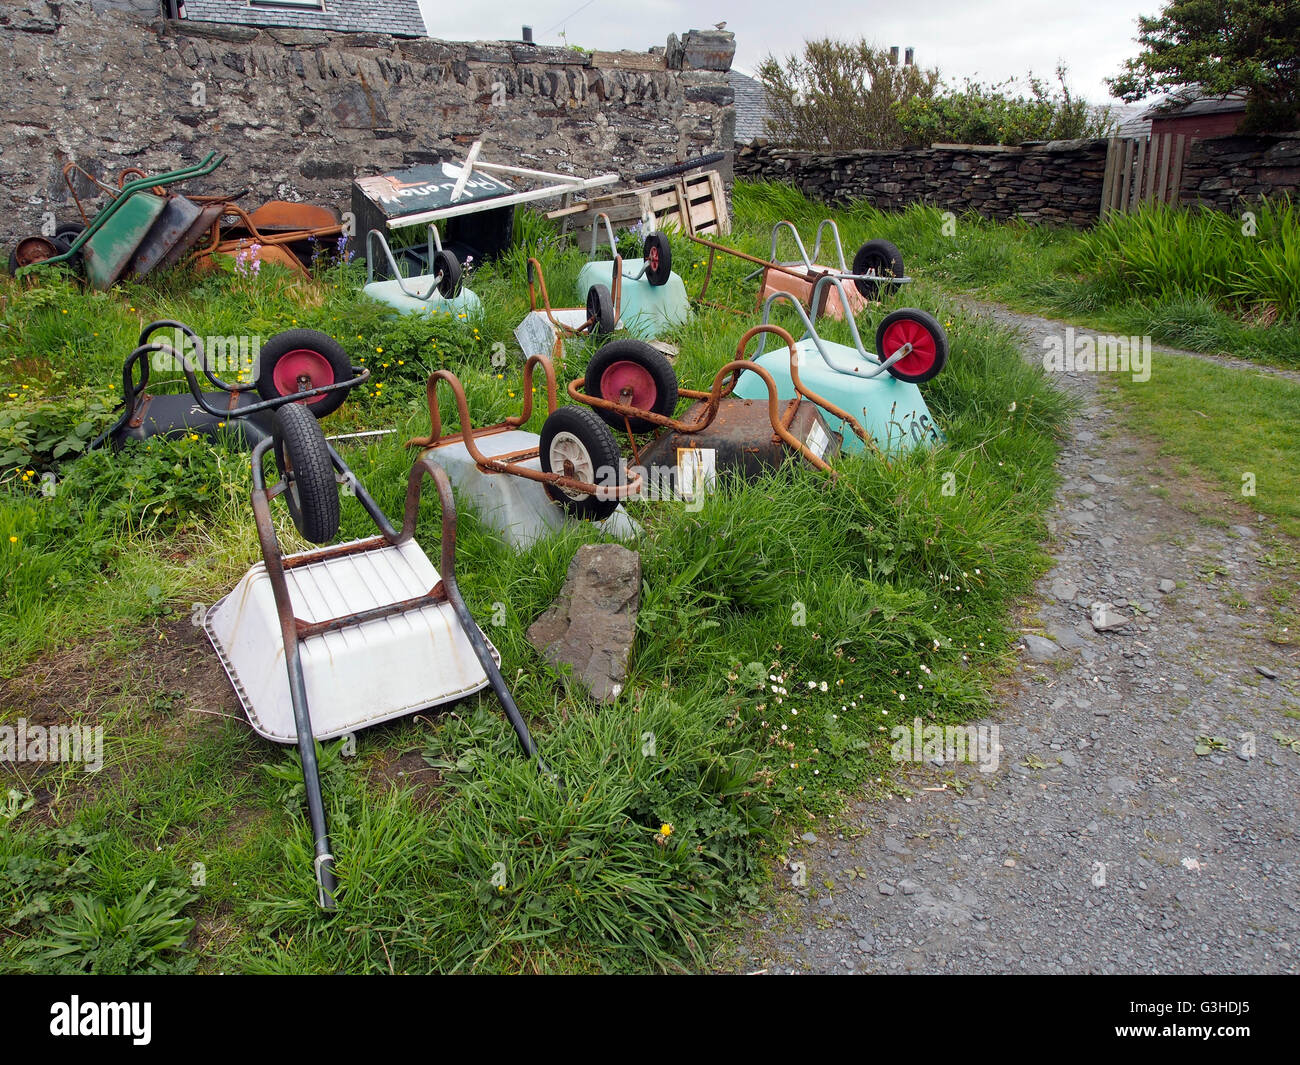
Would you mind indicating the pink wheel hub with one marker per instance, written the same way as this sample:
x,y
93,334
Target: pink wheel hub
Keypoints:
x,y
302,369
630,384
924,349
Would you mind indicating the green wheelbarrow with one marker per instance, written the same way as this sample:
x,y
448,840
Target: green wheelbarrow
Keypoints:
x,y
108,244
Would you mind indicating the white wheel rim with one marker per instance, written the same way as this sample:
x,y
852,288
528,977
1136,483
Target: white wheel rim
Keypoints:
x,y
565,447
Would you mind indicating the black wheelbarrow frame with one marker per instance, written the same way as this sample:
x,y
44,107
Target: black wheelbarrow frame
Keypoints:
x,y
133,391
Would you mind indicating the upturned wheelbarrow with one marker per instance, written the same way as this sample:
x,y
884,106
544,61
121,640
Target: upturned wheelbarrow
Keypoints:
x,y
110,243
295,366
648,297
437,290
876,265
322,643
631,385
575,459
879,387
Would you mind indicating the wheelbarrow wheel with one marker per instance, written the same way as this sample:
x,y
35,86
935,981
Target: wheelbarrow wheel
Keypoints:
x,y
600,309
303,358
877,257
633,373
34,249
658,254
929,344
303,460
67,232
446,264
576,443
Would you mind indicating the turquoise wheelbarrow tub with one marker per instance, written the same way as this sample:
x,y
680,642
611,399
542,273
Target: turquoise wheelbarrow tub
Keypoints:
x,y
437,293
880,390
649,299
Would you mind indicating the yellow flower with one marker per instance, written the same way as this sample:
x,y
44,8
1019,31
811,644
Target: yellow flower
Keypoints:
x,y
65,310
401,362
24,388
380,350
13,539
13,395
511,395
501,377
665,830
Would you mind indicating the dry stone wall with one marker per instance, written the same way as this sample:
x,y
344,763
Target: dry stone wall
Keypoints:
x,y
301,112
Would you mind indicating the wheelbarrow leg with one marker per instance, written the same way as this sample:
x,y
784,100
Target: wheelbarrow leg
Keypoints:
x,y
323,865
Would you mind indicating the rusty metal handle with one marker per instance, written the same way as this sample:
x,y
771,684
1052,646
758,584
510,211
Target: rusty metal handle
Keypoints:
x,y
799,386
537,280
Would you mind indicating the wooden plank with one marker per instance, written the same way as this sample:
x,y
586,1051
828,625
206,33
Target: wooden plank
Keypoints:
x,y
1108,181
720,201
1153,162
425,217
1126,171
628,61
1138,172
1176,178
703,215
1162,192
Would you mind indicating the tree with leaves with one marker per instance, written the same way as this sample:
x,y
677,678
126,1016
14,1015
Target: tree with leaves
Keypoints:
x,y
1218,47
840,95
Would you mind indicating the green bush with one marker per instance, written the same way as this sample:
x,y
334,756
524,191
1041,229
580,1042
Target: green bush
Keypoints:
x,y
982,113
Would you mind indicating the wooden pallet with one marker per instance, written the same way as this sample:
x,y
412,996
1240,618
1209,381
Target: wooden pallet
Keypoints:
x,y
693,204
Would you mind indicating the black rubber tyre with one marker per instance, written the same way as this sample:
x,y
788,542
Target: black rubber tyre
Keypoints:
x,y
303,459
67,232
600,307
577,434
655,372
923,331
33,249
680,168
658,255
446,263
330,364
881,257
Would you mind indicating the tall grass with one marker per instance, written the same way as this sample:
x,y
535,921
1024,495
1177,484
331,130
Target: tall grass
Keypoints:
x,y
1165,252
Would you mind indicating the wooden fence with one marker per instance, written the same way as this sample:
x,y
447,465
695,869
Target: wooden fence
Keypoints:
x,y
1142,170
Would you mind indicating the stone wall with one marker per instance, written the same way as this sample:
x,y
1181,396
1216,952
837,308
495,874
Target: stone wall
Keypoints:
x,y
301,112
1225,171
1058,182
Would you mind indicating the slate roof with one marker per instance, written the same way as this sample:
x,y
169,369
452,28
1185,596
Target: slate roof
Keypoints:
x,y
751,106
1190,101
401,18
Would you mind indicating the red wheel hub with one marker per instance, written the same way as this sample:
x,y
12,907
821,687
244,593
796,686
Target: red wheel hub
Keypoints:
x,y
652,258
629,383
302,369
924,349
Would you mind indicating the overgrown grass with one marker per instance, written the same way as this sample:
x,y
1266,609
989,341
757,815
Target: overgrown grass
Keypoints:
x,y
783,629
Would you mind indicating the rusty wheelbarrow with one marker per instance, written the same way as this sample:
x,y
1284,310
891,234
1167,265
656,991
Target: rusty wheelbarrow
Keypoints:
x,y
876,265
575,458
325,642
135,230
631,385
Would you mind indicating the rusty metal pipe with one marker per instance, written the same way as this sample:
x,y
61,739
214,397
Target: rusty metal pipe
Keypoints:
x,y
468,433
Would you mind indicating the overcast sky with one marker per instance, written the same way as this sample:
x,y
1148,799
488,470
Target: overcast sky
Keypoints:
x,y
990,40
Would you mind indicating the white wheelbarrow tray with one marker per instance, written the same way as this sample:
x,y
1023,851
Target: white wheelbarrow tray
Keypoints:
x,y
358,675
